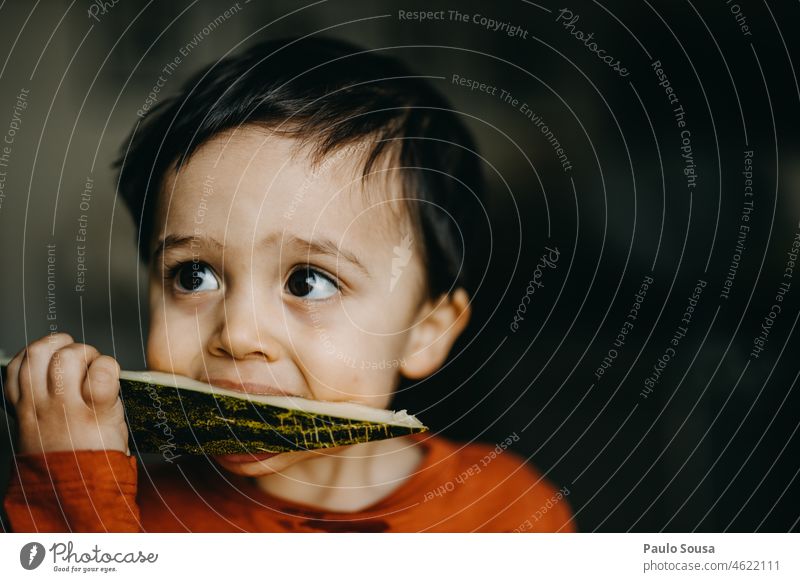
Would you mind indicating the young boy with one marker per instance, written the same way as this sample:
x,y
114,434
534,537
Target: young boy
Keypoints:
x,y
306,210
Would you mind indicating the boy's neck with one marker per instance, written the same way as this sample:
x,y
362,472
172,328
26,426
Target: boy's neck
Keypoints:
x,y
359,477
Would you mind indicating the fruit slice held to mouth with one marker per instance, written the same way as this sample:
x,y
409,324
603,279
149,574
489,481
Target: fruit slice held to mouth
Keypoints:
x,y
179,414
173,415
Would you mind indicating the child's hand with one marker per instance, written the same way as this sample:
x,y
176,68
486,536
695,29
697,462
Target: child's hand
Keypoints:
x,y
66,397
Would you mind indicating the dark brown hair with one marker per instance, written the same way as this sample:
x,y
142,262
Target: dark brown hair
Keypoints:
x,y
329,93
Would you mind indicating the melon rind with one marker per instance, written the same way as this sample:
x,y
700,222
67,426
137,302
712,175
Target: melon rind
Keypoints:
x,y
182,415
175,415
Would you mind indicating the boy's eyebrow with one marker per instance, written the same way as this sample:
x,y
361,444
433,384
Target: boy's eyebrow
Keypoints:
x,y
322,246
179,241
325,247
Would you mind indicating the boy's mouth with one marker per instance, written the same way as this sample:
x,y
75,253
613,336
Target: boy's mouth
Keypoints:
x,y
249,387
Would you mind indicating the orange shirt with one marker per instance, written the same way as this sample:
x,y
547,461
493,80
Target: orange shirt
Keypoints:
x,y
458,488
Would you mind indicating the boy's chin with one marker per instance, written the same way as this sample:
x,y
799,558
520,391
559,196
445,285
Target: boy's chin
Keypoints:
x,y
262,464
258,464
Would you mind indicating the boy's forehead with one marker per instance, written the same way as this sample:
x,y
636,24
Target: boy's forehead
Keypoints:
x,y
255,179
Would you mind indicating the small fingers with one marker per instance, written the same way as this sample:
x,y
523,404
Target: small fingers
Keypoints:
x,y
30,375
67,370
101,387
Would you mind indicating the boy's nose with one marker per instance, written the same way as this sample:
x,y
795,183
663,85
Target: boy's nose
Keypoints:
x,y
243,332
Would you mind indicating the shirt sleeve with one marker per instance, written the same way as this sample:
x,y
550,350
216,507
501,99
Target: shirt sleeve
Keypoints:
x,y
73,491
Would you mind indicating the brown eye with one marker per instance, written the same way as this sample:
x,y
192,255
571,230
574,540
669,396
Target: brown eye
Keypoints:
x,y
195,276
310,284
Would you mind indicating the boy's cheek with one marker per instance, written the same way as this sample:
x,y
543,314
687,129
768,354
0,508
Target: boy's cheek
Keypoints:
x,y
156,344
371,388
167,348
361,374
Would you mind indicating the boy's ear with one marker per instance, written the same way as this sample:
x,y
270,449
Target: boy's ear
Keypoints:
x,y
439,323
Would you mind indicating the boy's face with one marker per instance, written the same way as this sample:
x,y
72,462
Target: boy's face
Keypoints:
x,y
283,277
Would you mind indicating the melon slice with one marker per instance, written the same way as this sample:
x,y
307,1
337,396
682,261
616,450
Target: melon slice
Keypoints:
x,y
175,415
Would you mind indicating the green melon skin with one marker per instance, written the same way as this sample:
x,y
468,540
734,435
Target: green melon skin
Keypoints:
x,y
174,421
165,418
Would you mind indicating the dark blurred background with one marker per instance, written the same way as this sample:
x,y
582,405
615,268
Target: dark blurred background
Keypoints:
x,y
713,444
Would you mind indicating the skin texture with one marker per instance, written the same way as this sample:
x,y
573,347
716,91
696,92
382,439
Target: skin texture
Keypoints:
x,y
248,313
